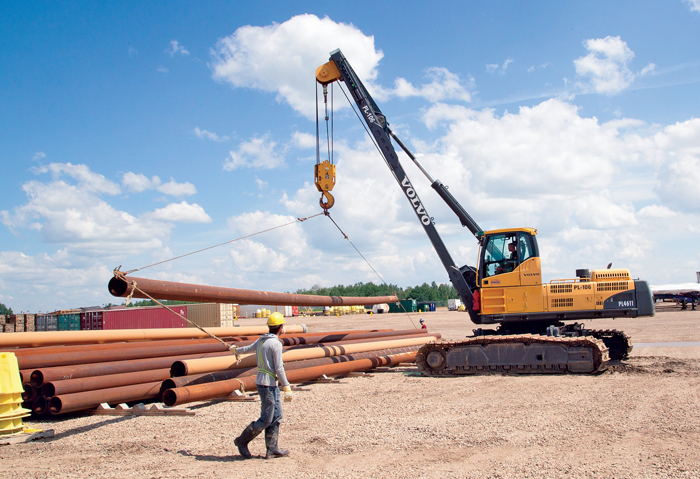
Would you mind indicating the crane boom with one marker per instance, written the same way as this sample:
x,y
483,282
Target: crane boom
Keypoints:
x,y
338,68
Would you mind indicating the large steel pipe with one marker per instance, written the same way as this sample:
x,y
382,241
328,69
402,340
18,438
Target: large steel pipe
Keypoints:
x,y
40,376
69,355
178,382
201,392
205,294
69,386
49,338
92,399
205,365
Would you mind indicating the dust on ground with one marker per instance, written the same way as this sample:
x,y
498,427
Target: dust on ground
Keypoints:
x,y
638,419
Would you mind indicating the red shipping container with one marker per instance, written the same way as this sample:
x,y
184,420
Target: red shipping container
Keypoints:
x,y
91,320
144,318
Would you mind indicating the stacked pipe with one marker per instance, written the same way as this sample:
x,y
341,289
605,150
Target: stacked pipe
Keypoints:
x,y
80,375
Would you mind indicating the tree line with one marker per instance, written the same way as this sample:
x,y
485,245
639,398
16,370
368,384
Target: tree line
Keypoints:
x,y
424,292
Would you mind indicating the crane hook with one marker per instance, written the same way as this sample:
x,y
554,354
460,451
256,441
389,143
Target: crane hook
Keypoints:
x,y
330,201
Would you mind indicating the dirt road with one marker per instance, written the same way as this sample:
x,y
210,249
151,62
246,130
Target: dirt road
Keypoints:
x,y
637,420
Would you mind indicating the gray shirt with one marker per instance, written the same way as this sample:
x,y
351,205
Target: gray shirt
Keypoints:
x,y
268,350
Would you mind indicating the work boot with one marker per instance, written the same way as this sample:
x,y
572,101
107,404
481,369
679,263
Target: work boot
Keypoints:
x,y
271,434
241,442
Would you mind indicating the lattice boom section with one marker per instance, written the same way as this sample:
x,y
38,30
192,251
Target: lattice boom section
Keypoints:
x,y
562,302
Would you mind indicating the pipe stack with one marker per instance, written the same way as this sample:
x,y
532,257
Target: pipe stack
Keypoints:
x,y
63,374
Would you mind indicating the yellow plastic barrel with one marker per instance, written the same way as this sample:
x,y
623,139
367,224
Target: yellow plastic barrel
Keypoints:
x,y
11,410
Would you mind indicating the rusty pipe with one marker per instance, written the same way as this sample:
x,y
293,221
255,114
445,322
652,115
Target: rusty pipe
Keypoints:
x,y
205,365
68,355
70,386
207,294
40,376
201,392
178,382
40,405
46,338
91,399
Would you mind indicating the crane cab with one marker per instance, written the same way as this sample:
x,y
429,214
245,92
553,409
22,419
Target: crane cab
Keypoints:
x,y
509,276
509,257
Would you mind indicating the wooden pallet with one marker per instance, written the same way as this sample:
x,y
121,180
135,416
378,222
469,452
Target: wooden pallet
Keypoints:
x,y
105,409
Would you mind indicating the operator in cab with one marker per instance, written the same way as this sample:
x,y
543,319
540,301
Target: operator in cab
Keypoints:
x,y
268,350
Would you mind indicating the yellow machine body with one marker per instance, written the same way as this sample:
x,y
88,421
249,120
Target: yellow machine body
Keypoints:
x,y
511,286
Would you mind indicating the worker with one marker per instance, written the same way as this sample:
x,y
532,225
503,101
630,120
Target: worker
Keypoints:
x,y
422,324
268,350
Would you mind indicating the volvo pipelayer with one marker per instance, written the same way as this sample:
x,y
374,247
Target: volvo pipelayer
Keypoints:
x,y
506,287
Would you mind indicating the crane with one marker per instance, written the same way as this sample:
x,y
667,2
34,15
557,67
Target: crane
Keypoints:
x,y
506,286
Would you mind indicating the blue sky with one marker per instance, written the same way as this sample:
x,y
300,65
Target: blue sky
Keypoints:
x,y
136,132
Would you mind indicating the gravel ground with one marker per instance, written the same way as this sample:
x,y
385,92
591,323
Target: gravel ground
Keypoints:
x,y
637,420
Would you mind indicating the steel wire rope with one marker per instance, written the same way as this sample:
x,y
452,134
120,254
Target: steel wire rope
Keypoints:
x,y
122,274
374,142
298,220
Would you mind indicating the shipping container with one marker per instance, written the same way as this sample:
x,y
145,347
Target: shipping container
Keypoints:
x,y
41,322
69,320
454,304
249,310
204,315
91,320
403,306
144,318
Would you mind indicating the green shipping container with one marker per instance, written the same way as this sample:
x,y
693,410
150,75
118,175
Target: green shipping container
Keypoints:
x,y
404,306
69,322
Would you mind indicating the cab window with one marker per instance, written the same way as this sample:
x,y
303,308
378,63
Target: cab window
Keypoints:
x,y
500,254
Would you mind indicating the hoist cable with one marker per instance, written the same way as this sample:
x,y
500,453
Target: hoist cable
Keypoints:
x,y
368,264
298,220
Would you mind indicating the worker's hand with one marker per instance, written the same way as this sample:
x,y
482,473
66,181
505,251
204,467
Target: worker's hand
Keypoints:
x,y
287,390
233,351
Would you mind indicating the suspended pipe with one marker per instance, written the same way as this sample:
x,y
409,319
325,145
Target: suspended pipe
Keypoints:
x,y
46,338
205,365
70,386
201,392
206,294
91,399
177,382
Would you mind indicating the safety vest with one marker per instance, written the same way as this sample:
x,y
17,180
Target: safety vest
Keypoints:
x,y
261,368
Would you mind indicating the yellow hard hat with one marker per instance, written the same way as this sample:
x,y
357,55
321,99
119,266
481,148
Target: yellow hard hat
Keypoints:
x,y
275,319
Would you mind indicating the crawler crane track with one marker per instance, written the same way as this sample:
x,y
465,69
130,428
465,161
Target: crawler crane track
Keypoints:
x,y
513,354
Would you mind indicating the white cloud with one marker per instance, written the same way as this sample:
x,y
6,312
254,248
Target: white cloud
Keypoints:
x,y
182,212
303,140
208,135
70,211
444,86
173,188
175,48
679,173
656,212
694,5
138,183
500,69
39,155
606,67
258,152
162,69
280,58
